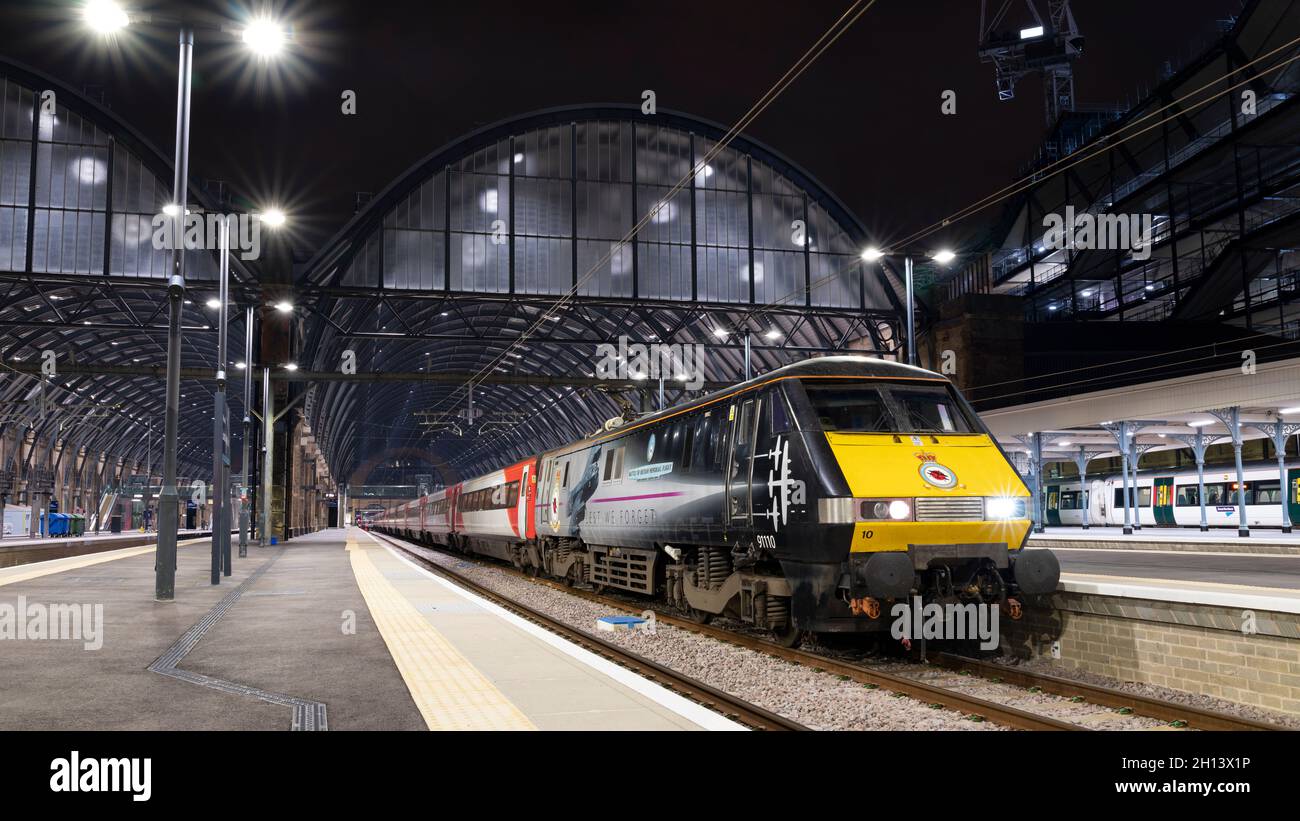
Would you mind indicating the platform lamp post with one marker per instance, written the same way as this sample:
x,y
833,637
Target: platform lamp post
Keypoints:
x,y
265,37
943,256
244,496
221,420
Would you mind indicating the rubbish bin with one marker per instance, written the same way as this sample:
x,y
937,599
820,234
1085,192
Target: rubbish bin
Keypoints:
x,y
78,524
115,523
58,524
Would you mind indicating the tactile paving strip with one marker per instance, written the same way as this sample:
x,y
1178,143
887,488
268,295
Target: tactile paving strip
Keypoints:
x,y
449,691
307,714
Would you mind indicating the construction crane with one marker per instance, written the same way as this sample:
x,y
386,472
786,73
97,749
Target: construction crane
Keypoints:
x,y
1045,43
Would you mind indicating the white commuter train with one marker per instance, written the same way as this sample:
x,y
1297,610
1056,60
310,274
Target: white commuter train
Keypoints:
x,y
1170,497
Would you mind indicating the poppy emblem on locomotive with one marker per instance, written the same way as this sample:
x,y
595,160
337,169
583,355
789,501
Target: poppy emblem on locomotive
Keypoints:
x,y
938,475
555,510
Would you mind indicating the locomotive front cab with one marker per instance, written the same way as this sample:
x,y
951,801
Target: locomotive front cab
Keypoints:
x,y
926,502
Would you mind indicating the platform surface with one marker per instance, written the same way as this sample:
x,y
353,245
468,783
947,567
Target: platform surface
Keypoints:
x,y
331,630
1178,565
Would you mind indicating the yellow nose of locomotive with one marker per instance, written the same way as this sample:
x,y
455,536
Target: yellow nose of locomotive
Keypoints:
x,y
928,490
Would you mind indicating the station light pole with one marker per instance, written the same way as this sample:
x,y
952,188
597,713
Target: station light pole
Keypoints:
x,y
942,256
244,496
221,421
264,37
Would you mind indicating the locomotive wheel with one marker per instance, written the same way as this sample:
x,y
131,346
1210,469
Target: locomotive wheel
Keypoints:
x,y
790,637
698,616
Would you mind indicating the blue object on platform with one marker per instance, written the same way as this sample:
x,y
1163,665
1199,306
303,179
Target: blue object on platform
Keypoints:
x,y
273,540
622,619
58,524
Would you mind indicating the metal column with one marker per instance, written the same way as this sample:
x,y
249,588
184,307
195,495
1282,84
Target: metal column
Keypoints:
x,y
268,441
168,498
248,432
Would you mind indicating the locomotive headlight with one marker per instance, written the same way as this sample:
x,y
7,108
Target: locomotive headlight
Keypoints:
x,y
1004,507
897,510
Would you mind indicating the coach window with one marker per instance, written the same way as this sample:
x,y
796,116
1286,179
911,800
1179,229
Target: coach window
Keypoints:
x,y
688,444
1266,493
746,422
721,438
780,419
700,443
613,464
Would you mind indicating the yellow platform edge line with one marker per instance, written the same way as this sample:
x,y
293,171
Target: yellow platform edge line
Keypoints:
x,y
450,693
22,573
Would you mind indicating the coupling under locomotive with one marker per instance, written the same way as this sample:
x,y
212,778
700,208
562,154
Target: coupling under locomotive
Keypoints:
x,y
807,499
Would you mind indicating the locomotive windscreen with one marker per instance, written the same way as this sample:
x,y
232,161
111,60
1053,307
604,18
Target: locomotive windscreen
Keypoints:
x,y
853,406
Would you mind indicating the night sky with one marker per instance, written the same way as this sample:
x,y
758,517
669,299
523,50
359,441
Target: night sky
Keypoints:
x,y
864,119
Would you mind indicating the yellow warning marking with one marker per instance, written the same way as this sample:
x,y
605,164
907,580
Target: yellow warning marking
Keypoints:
x,y
449,691
23,572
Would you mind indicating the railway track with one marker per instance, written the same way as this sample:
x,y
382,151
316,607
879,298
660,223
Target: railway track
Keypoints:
x,y
728,705
1180,715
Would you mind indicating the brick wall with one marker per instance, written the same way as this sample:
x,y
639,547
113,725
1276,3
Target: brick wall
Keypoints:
x,y
1191,648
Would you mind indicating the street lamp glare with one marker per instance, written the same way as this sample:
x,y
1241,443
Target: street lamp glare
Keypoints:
x,y
273,217
264,36
944,256
105,16
872,254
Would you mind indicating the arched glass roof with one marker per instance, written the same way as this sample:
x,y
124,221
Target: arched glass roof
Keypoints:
x,y
465,252
81,278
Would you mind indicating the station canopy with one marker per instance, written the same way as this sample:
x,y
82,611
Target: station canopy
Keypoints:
x,y
473,293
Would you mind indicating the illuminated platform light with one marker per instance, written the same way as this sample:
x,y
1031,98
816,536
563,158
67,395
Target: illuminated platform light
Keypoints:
x,y
872,254
944,256
105,16
284,307
214,303
291,366
264,37
1031,33
273,217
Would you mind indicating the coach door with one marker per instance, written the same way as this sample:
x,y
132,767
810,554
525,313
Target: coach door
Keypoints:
x,y
1293,494
740,465
522,504
1054,505
1162,500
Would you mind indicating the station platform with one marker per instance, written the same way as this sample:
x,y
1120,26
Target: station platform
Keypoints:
x,y
1269,541
330,631
1180,565
24,550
